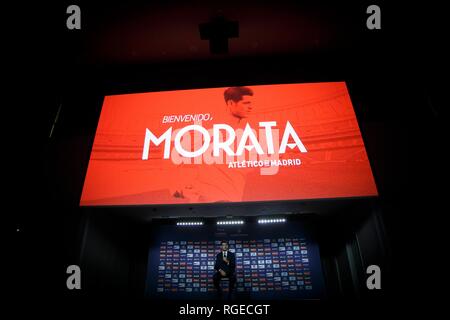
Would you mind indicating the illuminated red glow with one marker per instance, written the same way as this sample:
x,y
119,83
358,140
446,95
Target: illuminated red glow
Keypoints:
x,y
297,141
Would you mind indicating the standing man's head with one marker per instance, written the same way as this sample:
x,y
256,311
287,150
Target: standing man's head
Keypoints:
x,y
239,101
224,245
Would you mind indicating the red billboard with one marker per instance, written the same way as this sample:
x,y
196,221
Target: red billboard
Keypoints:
x,y
230,144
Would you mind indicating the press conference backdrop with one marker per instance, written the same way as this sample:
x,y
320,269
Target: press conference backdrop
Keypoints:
x,y
277,261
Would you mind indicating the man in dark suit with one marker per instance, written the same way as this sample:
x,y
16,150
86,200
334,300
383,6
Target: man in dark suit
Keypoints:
x,y
225,266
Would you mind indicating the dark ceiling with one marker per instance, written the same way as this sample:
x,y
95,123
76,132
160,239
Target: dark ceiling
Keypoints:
x,y
155,32
143,32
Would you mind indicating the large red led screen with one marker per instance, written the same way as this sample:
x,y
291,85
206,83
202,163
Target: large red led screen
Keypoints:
x,y
230,144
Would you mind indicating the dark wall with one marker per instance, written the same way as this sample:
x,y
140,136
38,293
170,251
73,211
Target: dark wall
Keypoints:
x,y
352,241
106,256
